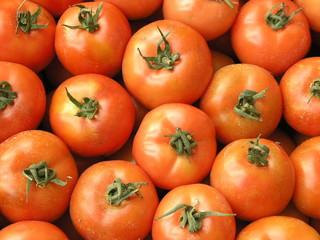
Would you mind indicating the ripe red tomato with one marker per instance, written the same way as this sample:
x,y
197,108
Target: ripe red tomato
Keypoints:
x,y
309,9
175,144
180,73
113,200
266,39
282,137
37,176
57,7
95,47
256,177
93,114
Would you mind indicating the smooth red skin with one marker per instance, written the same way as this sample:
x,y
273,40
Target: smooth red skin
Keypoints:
x,y
255,42
35,230
309,8
278,227
57,7
112,124
94,218
305,159
253,192
29,106
185,83
35,50
295,85
202,15
213,227
151,149
18,153
101,52
138,9
222,95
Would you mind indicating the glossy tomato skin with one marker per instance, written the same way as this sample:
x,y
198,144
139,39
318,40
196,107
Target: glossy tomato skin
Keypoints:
x,y
301,111
152,151
209,199
222,95
251,190
309,8
28,106
27,230
110,127
57,7
101,51
190,75
95,218
19,152
35,50
255,42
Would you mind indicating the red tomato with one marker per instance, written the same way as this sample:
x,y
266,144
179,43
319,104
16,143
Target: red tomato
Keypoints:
x,y
282,137
292,211
57,7
201,222
92,48
96,211
220,60
180,73
95,118
309,9
300,88
25,99
33,47
27,193
274,48
175,144
243,101
256,177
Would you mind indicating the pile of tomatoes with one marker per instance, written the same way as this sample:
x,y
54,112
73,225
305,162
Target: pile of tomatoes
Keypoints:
x,y
163,119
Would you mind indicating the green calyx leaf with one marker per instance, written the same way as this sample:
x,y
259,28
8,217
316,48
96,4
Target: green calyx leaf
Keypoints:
x,y
230,4
6,95
117,192
42,175
87,18
245,107
87,109
191,217
280,19
164,58
27,22
257,153
314,89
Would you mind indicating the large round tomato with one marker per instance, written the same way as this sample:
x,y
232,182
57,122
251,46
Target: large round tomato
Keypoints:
x,y
266,33
57,7
37,176
243,101
256,176
91,38
113,200
167,61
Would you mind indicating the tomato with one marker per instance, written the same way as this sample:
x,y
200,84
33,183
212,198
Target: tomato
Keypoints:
x,y
99,210
175,144
278,227
57,7
36,230
274,44
27,193
305,159
292,211
94,47
309,8
201,204
180,73
300,88
29,44
243,101
202,15
220,60
256,176
23,99
281,136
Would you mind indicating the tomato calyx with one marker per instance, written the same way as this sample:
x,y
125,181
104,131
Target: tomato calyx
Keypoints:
x,y
230,4
87,18
182,142
87,109
257,153
164,58
42,175
27,22
6,94
191,217
117,192
314,89
280,19
245,107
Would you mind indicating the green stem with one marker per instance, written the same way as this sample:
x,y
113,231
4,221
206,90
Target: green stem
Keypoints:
x,y
6,95
257,153
230,4
315,89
